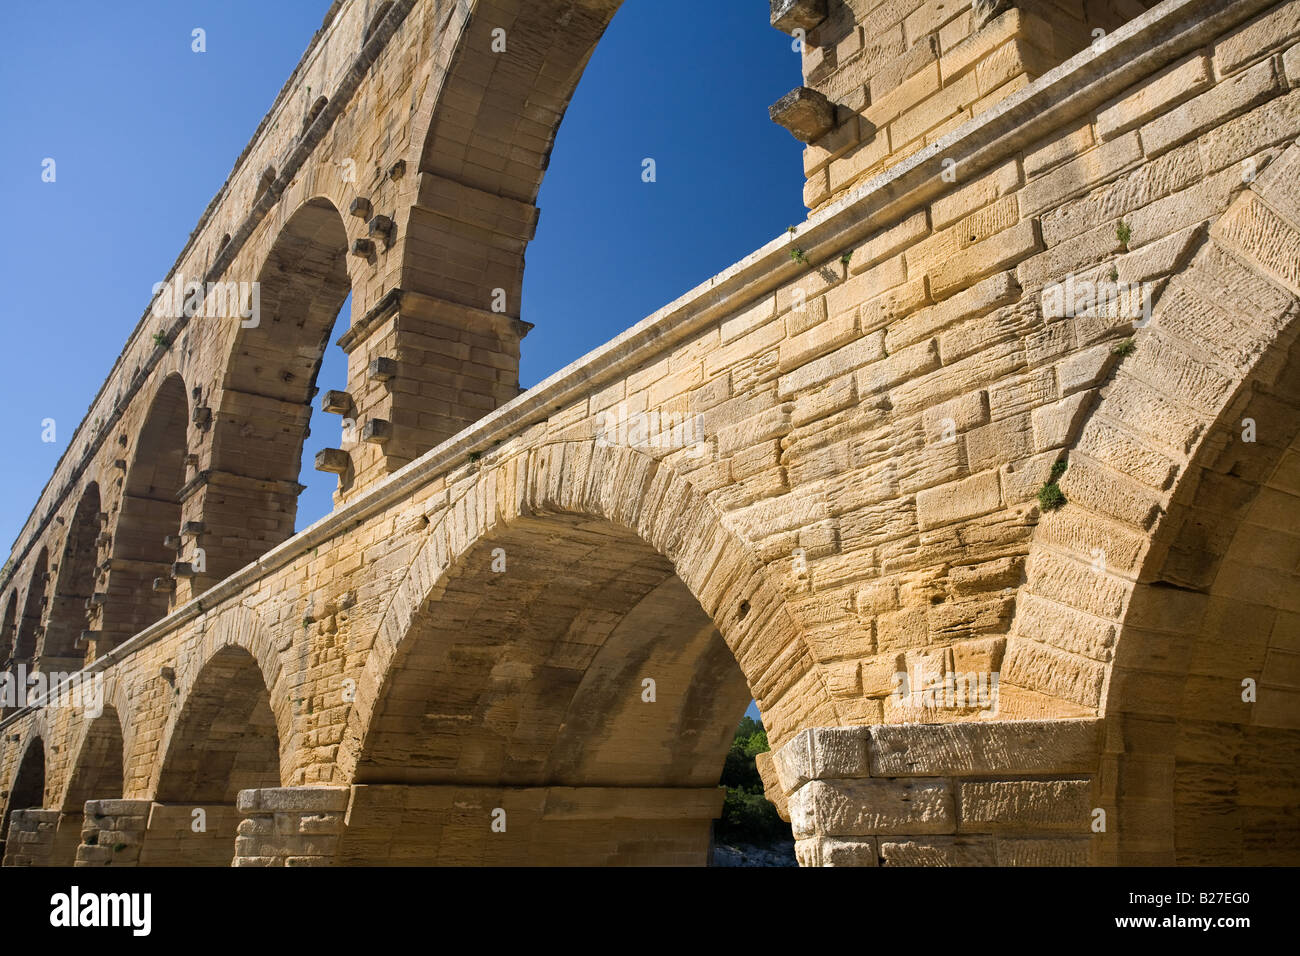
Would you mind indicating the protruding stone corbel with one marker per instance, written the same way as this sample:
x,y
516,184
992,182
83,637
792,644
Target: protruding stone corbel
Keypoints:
x,y
360,208
791,15
377,431
383,370
985,11
335,402
807,114
333,460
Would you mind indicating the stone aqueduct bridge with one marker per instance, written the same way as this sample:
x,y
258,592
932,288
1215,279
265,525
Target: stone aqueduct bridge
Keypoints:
x,y
470,631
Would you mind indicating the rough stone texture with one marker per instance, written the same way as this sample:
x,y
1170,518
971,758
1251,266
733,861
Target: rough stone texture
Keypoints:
x,y
812,481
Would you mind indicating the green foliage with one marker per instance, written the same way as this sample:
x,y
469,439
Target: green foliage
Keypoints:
x,y
1050,496
747,815
1127,347
160,340
846,258
1123,232
798,255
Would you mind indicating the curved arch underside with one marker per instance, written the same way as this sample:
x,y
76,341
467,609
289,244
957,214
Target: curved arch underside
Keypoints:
x,y
535,675
1206,680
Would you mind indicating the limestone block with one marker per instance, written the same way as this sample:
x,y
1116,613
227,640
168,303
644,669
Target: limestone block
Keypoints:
x,y
1228,98
1056,425
1001,747
821,753
869,807
956,851
957,415
969,195
980,260
832,851
959,500
1160,93
1024,804
1266,32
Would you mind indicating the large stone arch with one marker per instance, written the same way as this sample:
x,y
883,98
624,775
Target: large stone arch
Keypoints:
x,y
27,786
642,499
1164,582
28,636
74,586
264,402
223,739
141,576
97,772
483,139
9,626
228,630
524,684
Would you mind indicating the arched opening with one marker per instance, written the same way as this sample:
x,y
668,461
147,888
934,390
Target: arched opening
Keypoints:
x,y
9,628
1204,696
140,582
29,624
74,586
224,740
98,774
264,183
11,701
564,673
317,108
27,792
267,396
381,11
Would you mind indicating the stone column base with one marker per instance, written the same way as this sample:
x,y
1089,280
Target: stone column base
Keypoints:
x,y
30,841
112,832
988,793
290,826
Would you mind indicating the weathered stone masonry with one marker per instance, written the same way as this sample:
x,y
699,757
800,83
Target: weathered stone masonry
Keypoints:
x,y
881,406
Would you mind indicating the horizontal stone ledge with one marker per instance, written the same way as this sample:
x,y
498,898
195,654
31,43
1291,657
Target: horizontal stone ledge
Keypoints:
x,y
117,807
1009,748
302,799
549,803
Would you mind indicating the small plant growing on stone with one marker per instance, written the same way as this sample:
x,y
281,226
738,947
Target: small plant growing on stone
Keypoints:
x,y
1124,232
1050,496
798,255
1125,348
846,258
1114,274
160,340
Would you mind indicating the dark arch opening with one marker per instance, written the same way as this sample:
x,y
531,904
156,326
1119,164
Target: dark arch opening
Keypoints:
x,y
99,774
28,789
317,108
74,586
140,580
380,12
534,678
225,740
270,384
29,625
264,183
9,629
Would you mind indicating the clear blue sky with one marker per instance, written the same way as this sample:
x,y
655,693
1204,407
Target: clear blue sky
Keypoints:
x,y
144,132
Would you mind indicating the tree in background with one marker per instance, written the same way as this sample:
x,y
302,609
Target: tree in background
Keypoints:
x,y
747,815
